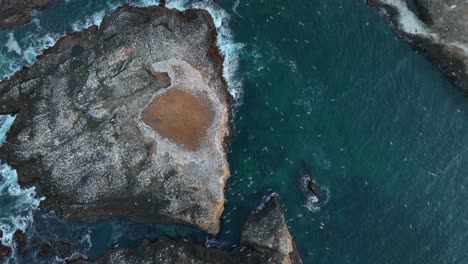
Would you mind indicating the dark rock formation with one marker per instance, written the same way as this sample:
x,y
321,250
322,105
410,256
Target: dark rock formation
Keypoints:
x,y
18,12
307,182
266,231
265,239
60,249
20,242
438,27
80,135
5,251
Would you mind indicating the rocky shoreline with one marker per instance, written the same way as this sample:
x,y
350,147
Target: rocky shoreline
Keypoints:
x,y
438,28
265,239
79,135
18,12
132,119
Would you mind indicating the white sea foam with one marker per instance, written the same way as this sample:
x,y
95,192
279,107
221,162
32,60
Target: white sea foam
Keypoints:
x,y
94,20
16,204
145,3
5,123
407,19
12,45
177,4
314,204
225,40
37,45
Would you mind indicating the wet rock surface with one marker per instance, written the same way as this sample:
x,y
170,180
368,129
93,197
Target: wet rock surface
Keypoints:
x,y
438,27
79,133
265,239
18,12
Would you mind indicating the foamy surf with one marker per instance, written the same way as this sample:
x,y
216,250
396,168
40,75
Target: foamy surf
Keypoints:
x,y
225,41
16,204
24,52
314,205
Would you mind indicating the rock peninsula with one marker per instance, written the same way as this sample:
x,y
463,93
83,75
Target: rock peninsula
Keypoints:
x,y
129,119
438,27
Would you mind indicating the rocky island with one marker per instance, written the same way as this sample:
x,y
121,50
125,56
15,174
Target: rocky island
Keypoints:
x,y
126,120
438,27
18,12
131,119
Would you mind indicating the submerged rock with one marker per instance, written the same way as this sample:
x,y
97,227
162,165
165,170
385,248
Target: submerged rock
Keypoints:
x,y
439,27
126,120
18,12
265,239
307,182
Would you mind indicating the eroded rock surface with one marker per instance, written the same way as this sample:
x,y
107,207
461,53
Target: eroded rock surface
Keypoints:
x,y
440,27
80,133
18,12
265,239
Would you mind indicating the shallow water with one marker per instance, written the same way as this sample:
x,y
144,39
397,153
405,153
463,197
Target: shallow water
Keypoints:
x,y
326,82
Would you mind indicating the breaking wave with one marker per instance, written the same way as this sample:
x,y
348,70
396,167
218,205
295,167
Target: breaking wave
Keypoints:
x,y
23,46
225,41
314,204
24,52
16,204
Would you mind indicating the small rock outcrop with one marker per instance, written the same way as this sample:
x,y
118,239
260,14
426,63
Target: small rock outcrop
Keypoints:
x,y
266,231
439,27
126,120
18,12
265,239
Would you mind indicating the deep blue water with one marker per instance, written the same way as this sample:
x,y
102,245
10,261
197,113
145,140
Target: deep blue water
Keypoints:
x,y
328,83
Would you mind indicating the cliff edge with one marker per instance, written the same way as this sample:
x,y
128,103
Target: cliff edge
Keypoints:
x,y
129,119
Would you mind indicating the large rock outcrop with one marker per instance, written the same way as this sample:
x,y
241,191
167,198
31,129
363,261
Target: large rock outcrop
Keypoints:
x,y
126,120
265,239
439,27
18,12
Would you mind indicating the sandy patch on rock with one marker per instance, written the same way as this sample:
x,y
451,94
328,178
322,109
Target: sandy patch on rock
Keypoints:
x,y
180,116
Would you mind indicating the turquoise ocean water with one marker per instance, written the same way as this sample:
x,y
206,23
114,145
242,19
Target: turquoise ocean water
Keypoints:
x,y
324,82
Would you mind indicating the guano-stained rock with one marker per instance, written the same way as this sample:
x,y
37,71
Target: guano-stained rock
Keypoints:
x,y
79,133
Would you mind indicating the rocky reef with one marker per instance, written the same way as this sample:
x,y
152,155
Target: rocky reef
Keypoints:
x,y
265,239
438,27
18,12
129,119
